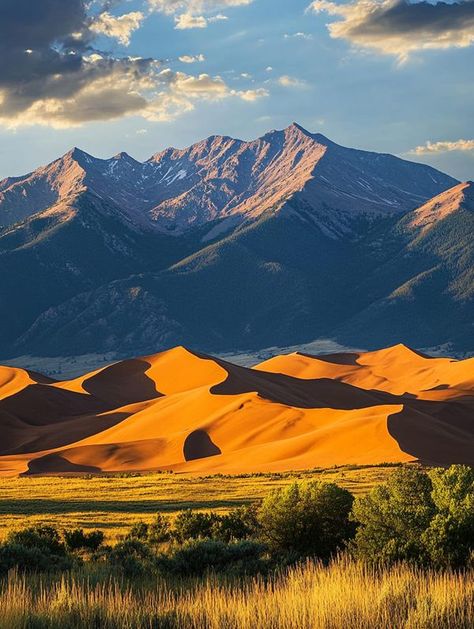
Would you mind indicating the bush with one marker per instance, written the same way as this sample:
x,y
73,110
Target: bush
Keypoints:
x,y
34,549
139,531
157,532
189,525
307,520
198,557
426,518
237,525
78,540
132,558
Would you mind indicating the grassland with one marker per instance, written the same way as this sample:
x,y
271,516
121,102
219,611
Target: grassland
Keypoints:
x,y
113,503
345,594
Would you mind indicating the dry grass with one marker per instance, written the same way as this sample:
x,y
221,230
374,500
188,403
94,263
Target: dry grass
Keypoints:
x,y
344,595
114,503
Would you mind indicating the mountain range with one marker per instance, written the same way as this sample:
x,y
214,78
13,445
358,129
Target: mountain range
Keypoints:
x,y
235,245
189,412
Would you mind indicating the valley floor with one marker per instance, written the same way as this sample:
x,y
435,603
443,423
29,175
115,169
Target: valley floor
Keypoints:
x,y
114,502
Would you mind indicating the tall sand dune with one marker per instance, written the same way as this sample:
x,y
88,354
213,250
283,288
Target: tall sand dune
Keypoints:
x,y
184,411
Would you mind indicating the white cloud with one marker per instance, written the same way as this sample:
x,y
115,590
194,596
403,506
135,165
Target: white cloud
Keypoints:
x,y
195,13
192,58
399,27
298,35
121,28
170,7
443,147
290,81
217,18
186,21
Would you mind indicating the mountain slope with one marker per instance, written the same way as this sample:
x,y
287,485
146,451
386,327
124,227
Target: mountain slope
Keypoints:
x,y
189,412
423,291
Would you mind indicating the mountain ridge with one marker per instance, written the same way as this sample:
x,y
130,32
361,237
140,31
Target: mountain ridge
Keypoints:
x,y
229,245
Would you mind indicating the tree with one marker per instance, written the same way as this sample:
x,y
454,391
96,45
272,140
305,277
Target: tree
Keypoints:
x,y
393,517
449,539
307,520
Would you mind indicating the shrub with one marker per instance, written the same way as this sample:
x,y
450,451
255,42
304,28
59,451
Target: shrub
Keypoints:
x,y
307,520
132,558
139,531
34,549
157,532
237,525
189,525
198,557
77,539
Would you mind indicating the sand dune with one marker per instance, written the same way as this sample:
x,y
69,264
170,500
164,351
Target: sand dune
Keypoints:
x,y
184,411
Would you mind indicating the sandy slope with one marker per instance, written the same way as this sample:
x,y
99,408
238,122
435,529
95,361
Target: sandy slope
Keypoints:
x,y
188,412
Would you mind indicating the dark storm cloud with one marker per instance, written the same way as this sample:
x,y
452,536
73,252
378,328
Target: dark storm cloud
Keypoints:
x,y
46,52
400,27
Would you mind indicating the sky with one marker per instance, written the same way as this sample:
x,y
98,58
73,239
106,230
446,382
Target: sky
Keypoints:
x,y
141,75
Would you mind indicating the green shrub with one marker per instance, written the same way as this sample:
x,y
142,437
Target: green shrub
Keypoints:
x,y
132,558
198,557
310,519
139,531
190,525
77,539
34,549
157,532
238,524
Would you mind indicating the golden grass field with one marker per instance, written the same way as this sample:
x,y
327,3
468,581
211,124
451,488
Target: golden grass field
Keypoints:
x,y
113,503
345,595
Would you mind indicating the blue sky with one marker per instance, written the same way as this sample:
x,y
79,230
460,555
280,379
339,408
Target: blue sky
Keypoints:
x,y
270,62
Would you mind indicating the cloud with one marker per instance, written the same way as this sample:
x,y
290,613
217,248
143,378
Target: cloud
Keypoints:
x,y
121,28
443,147
291,81
195,13
186,20
192,58
51,72
398,27
298,35
170,7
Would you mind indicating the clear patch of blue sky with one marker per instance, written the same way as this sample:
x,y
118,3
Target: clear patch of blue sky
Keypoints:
x,y
360,99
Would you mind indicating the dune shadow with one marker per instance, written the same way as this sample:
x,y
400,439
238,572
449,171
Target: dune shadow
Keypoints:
x,y
344,358
123,383
52,463
199,445
435,433
290,391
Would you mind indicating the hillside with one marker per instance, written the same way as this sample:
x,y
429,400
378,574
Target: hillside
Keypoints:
x,y
183,411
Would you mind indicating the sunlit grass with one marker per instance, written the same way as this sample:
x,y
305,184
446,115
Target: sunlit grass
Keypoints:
x,y
114,503
344,595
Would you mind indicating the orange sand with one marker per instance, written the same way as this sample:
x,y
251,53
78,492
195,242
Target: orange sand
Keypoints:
x,y
182,411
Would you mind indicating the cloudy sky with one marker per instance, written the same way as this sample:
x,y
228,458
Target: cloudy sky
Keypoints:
x,y
140,75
